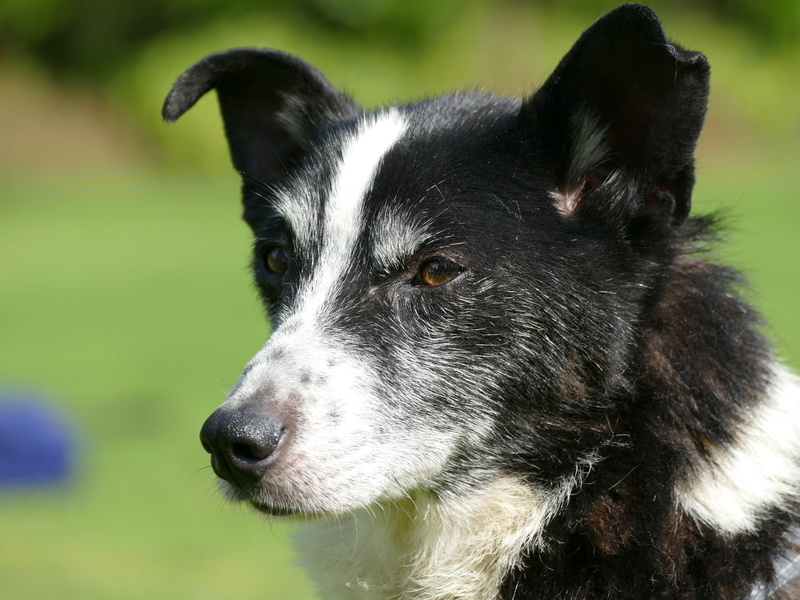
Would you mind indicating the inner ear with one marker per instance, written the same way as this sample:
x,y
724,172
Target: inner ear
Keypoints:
x,y
624,106
590,161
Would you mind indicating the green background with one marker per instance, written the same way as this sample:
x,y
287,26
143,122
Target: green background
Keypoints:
x,y
124,291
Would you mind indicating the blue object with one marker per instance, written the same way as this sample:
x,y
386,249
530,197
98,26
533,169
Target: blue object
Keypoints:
x,y
36,442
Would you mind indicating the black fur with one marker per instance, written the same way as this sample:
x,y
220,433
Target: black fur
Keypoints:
x,y
599,326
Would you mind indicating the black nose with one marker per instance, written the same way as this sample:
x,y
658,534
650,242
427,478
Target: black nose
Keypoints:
x,y
241,443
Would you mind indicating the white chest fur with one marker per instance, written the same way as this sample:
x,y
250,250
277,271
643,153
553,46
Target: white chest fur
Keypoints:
x,y
426,549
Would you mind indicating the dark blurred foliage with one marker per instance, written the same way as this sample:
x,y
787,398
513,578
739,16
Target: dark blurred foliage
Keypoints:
x,y
91,38
769,22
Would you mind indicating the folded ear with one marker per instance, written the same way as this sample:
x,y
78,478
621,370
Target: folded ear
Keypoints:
x,y
273,105
620,117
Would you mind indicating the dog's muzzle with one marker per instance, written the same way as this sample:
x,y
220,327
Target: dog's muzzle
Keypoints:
x,y
242,444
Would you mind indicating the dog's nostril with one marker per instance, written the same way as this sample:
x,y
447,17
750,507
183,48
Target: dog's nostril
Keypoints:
x,y
249,452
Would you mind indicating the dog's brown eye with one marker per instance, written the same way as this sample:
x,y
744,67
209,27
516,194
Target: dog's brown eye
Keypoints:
x,y
437,271
276,260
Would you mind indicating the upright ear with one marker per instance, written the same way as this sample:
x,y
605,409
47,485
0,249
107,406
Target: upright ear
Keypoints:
x,y
273,105
620,117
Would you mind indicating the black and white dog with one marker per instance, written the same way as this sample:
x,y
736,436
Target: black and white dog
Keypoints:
x,y
503,364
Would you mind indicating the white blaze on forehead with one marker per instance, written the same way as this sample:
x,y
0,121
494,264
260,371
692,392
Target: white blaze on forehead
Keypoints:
x,y
343,217
396,236
360,160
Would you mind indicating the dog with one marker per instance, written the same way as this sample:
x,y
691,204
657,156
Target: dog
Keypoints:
x,y
504,362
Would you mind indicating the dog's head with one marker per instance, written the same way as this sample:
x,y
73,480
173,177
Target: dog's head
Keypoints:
x,y
449,277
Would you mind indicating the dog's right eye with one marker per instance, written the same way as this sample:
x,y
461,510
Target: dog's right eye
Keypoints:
x,y
276,260
436,272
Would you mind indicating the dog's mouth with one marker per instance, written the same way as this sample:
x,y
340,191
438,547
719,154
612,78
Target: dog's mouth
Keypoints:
x,y
276,511
265,502
255,498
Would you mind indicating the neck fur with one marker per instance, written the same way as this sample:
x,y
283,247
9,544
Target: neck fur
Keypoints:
x,y
424,548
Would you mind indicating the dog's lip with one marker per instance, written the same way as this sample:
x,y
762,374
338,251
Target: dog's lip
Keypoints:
x,y
255,498
275,511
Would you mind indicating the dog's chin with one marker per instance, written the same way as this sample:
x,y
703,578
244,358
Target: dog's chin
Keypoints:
x,y
302,509
257,501
267,507
280,509
294,513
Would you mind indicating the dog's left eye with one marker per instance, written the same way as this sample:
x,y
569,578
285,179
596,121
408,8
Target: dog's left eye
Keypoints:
x,y
437,271
276,260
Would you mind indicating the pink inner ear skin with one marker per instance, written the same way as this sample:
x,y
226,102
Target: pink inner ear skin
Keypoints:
x,y
653,201
567,198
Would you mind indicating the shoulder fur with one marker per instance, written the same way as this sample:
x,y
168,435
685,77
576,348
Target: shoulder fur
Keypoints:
x,y
733,486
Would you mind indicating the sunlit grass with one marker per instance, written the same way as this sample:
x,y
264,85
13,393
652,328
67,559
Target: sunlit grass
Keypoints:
x,y
127,302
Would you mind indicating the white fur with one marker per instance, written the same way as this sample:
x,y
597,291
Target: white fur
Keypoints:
x,y
343,220
396,237
734,488
589,148
567,198
299,201
422,548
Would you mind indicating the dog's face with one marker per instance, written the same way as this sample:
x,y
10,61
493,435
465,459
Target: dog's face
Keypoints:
x,y
446,278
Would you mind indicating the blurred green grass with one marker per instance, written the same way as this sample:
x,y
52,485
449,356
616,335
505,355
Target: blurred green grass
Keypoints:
x,y
125,295
128,301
